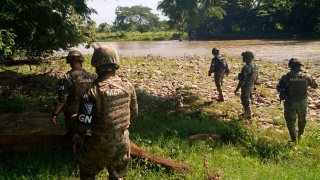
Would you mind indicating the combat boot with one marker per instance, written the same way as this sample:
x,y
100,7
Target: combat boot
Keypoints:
x,y
300,136
247,113
220,97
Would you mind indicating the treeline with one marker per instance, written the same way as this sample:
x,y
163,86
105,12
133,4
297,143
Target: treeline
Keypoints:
x,y
135,18
204,19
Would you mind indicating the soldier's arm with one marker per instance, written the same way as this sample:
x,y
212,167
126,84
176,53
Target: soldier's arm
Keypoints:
x,y
63,92
227,68
242,78
133,105
81,124
281,83
312,82
212,67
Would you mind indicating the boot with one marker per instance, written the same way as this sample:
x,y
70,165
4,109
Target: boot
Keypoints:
x,y
220,97
247,113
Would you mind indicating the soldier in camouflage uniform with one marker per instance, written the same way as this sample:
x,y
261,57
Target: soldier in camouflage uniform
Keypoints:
x,y
71,89
247,79
104,118
219,67
294,86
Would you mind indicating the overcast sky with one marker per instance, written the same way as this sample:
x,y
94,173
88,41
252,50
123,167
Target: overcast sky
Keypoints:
x,y
106,8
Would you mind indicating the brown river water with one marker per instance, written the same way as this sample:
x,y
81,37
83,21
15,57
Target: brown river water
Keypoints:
x,y
271,50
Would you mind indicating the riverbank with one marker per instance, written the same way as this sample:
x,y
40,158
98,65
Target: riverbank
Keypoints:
x,y
175,35
138,36
176,100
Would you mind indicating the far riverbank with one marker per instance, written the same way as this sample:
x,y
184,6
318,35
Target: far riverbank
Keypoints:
x,y
270,50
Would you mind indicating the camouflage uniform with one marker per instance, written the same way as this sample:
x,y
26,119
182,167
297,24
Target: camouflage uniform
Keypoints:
x,y
71,90
104,119
219,67
295,84
247,79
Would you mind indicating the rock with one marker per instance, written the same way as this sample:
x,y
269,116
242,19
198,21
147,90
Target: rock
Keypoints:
x,y
158,72
194,86
312,106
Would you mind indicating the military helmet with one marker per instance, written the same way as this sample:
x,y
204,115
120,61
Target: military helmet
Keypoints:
x,y
294,62
215,51
104,55
74,55
248,55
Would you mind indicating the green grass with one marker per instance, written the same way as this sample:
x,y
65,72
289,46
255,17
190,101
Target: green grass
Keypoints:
x,y
245,151
138,36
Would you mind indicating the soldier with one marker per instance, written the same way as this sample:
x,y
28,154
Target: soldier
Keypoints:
x,y
71,90
247,79
104,118
219,67
293,88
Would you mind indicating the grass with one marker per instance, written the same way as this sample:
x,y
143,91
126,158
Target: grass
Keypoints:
x,y
138,36
245,151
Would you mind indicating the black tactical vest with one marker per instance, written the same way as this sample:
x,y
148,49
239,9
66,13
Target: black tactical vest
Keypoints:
x,y
296,87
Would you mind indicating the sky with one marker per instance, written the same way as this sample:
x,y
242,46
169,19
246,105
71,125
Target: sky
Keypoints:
x,y
106,8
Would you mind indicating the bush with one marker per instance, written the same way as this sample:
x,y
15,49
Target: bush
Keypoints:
x,y
15,103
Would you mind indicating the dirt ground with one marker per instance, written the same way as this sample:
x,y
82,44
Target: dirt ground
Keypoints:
x,y
28,123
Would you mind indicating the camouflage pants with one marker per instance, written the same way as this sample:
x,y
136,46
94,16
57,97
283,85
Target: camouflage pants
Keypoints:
x,y
245,96
218,80
111,151
291,110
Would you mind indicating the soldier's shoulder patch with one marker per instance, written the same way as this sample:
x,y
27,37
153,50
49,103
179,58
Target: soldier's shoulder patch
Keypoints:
x,y
86,113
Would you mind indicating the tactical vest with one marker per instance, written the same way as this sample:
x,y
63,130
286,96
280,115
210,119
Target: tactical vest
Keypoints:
x,y
114,108
253,75
81,81
219,65
296,87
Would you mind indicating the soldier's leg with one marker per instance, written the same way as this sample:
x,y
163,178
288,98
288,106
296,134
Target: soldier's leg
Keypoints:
x,y
218,82
90,158
290,117
88,170
302,114
245,101
118,167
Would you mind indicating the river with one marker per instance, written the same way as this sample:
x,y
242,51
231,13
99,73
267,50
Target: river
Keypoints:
x,y
272,50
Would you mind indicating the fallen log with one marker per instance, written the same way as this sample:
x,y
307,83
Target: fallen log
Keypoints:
x,y
10,142
137,152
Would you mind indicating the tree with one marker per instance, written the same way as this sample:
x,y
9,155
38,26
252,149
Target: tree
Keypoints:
x,y
190,14
136,18
104,28
44,26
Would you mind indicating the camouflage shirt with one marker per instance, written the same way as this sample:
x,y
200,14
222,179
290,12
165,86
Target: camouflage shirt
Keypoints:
x,y
249,75
72,88
219,65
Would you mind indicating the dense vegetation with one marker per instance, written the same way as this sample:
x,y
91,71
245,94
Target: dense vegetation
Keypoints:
x,y
203,19
138,36
173,98
42,27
